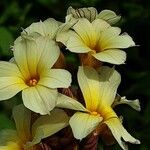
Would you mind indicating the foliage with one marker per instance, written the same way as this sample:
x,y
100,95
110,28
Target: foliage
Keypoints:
x,y
135,73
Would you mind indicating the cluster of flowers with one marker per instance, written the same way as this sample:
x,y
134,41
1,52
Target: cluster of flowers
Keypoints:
x,y
38,70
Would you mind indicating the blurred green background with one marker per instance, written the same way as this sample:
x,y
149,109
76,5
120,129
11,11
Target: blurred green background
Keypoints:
x,y
15,14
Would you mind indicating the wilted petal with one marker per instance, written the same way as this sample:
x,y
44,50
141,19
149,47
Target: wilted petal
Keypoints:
x,y
83,124
109,16
135,104
89,13
64,101
120,132
88,80
48,125
113,56
55,78
40,99
10,86
22,117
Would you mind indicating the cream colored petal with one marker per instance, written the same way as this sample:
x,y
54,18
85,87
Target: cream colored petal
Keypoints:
x,y
75,44
89,13
39,99
51,27
83,124
88,80
109,80
100,25
34,55
107,35
113,56
55,78
48,125
48,28
121,41
26,57
37,27
86,32
109,16
64,101
135,104
69,23
9,69
63,37
22,117
10,86
49,53
119,133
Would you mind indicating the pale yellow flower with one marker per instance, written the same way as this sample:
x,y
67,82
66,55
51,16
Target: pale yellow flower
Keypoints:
x,y
91,14
99,91
97,39
27,135
32,74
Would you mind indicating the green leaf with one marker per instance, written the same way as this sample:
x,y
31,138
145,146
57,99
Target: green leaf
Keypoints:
x,y
6,39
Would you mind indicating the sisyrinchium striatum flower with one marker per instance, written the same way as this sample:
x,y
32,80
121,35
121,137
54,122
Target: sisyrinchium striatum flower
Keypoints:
x,y
97,40
99,90
27,136
32,73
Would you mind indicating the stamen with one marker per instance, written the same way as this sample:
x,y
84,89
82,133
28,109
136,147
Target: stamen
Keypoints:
x,y
95,113
32,82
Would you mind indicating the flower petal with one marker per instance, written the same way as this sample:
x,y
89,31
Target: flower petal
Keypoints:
x,y
48,125
113,56
55,78
64,101
10,86
109,16
121,41
109,80
87,33
107,35
75,44
35,55
9,69
50,27
83,124
89,13
47,28
135,104
119,132
88,80
100,25
49,53
39,99
22,117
